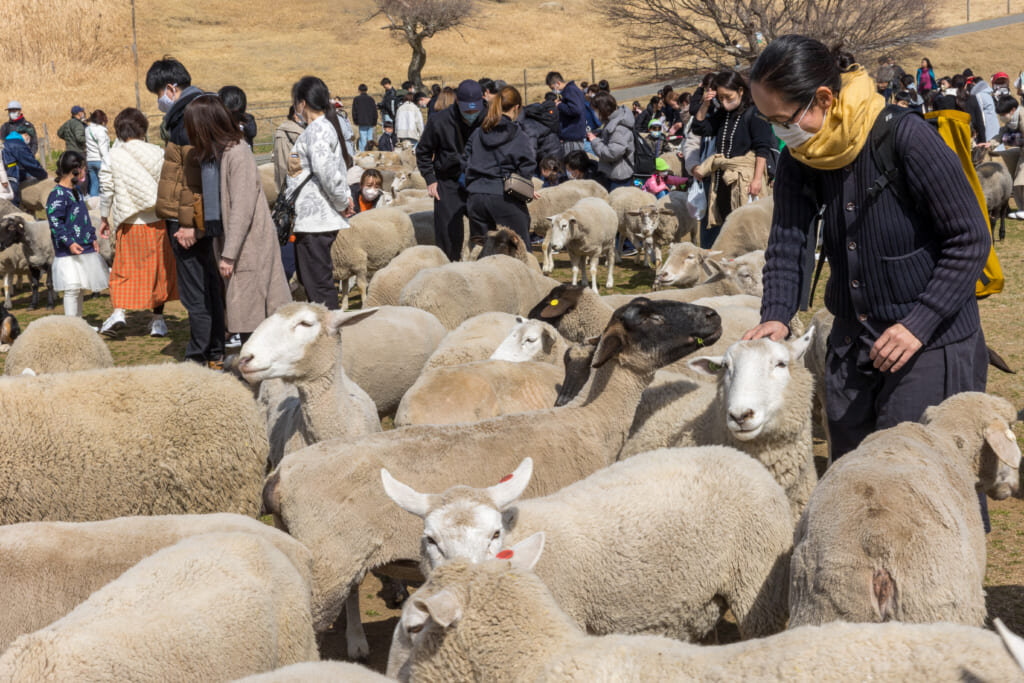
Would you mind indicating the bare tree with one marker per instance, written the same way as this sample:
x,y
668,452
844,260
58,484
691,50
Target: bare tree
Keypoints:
x,y
697,35
416,20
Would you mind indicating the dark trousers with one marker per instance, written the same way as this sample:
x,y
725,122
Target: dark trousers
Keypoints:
x,y
288,260
449,211
315,268
199,289
487,211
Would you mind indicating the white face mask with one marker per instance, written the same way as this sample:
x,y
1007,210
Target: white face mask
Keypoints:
x,y
794,136
165,103
370,193
15,115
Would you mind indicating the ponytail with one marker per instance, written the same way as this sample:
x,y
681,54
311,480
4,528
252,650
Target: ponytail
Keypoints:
x,y
332,116
503,102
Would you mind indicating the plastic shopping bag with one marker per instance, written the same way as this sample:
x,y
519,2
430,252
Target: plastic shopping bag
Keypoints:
x,y
696,201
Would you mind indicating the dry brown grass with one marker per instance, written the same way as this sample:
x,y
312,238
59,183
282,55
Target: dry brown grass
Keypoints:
x,y
985,52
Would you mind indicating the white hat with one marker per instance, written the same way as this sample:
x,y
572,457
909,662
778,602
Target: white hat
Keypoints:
x,y
13,104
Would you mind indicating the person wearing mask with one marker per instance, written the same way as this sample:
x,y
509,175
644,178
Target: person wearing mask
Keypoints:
x,y
440,158
909,88
571,111
925,79
651,113
661,183
497,149
1000,84
142,276
655,137
540,121
435,92
324,204
982,108
235,100
409,120
743,142
1011,134
72,131
388,141
364,115
284,139
369,192
97,148
20,165
179,194
19,124
389,102
947,95
578,166
614,147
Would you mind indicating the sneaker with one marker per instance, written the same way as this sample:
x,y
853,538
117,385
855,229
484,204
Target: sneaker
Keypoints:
x,y
158,328
536,240
629,251
234,341
1017,215
114,323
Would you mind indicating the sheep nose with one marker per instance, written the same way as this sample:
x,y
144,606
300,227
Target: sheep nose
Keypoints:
x,y
740,418
244,360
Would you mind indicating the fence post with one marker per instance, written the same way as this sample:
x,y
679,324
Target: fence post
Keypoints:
x,y
656,62
45,146
526,96
593,78
968,11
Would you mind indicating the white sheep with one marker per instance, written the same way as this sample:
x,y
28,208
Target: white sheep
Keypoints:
x,y
690,266
318,672
406,197
624,200
387,283
532,340
372,239
475,339
660,226
210,608
146,440
495,621
893,530
587,231
13,266
606,533
57,343
34,236
745,229
329,495
408,180
554,200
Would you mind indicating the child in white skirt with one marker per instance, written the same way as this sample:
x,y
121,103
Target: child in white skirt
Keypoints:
x,y
77,265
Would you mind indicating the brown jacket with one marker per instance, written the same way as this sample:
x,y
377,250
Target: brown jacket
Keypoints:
x,y
258,286
180,186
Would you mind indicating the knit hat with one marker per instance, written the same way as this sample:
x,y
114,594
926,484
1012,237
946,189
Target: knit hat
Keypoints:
x,y
660,164
653,123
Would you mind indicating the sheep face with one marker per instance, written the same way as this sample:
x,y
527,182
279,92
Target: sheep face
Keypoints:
x,y
648,220
645,335
562,228
745,272
527,340
753,376
12,231
686,265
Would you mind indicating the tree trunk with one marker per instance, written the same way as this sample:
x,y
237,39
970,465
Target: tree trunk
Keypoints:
x,y
419,58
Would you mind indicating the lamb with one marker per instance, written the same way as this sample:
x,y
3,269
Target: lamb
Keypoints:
x,y
761,405
387,283
745,229
211,607
624,200
718,555
554,200
476,339
12,265
893,531
143,440
371,241
34,236
587,231
57,343
510,628
51,567
329,495
507,242
997,184
532,340
318,672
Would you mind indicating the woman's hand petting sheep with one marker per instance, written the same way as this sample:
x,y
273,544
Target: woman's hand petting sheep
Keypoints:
x,y
894,348
227,268
76,249
772,329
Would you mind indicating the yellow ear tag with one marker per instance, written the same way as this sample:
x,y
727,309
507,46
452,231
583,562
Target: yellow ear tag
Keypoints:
x,y
554,302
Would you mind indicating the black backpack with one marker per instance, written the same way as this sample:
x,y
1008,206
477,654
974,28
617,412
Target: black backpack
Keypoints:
x,y
283,213
643,156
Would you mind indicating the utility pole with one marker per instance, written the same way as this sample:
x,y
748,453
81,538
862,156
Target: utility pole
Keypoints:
x,y
135,56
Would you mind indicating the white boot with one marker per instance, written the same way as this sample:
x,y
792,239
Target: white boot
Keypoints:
x,y
73,302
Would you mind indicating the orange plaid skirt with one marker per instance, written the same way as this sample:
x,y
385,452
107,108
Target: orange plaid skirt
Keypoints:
x,y
143,274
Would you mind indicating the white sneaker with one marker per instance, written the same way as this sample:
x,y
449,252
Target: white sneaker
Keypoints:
x,y
114,323
158,328
234,341
1017,215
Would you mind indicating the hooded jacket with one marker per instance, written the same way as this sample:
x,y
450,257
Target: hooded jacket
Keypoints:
x,y
572,113
72,132
441,150
540,122
614,148
181,184
492,155
19,161
984,118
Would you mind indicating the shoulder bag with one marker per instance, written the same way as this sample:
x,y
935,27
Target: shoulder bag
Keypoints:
x,y
283,212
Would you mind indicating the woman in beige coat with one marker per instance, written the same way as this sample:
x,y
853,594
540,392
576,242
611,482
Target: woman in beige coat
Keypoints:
x,y
250,260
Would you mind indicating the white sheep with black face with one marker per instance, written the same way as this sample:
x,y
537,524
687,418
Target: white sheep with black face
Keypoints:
x,y
533,340
587,231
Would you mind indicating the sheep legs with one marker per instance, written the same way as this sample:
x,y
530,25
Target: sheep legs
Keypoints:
x,y
355,636
34,276
576,259
549,258
8,284
611,265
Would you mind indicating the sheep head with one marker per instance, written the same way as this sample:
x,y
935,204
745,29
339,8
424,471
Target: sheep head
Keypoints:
x,y
527,340
563,227
12,230
686,265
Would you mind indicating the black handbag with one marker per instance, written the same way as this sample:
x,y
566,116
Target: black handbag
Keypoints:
x,y
283,212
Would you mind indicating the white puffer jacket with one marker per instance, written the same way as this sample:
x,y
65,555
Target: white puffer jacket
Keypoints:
x,y
97,142
128,182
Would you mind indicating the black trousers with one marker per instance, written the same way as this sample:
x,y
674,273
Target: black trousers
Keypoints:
x,y
315,268
199,289
449,211
487,211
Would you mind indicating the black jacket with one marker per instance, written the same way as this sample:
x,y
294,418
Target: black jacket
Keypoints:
x,y
389,104
441,151
386,142
492,155
749,133
172,129
540,122
23,126
364,110
249,128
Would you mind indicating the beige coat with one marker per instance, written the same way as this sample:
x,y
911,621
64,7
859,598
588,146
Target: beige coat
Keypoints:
x,y
257,286
737,175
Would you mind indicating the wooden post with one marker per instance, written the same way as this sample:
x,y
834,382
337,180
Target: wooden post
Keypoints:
x,y
44,147
593,78
656,62
526,97
135,56
968,11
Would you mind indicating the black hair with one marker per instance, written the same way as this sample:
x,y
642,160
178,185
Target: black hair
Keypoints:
x,y
603,105
552,78
316,95
435,89
234,99
550,96
70,162
487,85
603,86
291,112
733,80
795,66
99,116
928,62
1006,104
906,80
550,164
385,81
164,72
362,87
708,79
577,160
903,96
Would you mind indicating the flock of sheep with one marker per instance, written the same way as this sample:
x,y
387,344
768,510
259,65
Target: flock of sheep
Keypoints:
x,y
585,483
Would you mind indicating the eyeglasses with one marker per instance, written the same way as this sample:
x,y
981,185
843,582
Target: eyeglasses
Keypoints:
x,y
791,120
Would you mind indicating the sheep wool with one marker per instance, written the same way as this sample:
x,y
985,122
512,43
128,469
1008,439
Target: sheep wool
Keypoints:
x,y
58,343
475,339
387,283
372,240
318,672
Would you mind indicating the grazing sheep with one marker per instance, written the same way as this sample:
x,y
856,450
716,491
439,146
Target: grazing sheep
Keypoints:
x,y
600,543
387,283
893,531
143,440
507,242
587,231
532,340
372,239
49,568
318,672
495,621
745,229
554,200
58,343
12,265
475,339
209,608
624,200
997,184
329,495
34,236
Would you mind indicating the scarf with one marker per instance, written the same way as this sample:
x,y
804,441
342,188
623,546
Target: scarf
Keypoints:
x,y
846,126
210,171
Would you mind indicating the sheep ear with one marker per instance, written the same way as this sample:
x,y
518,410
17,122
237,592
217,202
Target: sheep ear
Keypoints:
x,y
560,301
444,607
28,372
611,344
404,496
547,339
1013,642
1001,439
706,365
799,346
520,319
524,555
339,319
508,490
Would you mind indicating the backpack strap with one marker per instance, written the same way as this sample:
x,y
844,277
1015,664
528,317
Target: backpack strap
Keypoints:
x,y
882,140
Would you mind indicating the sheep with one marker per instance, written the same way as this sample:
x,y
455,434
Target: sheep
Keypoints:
x,y
211,607
553,200
52,567
318,672
532,340
387,283
997,184
58,343
760,405
9,329
330,498
410,196
814,361
456,292
372,239
623,200
893,530
475,339
507,242
745,229
659,226
12,265
406,180
34,195
301,344
717,556
143,440
478,391
688,265
34,236
587,231
1013,642
496,621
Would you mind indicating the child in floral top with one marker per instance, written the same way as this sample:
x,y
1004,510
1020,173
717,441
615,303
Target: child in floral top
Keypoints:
x,y
77,265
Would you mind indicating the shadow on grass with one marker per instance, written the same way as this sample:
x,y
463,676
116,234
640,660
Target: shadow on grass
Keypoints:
x,y
1007,603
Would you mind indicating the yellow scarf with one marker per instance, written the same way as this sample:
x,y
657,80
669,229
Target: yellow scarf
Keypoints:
x,y
846,126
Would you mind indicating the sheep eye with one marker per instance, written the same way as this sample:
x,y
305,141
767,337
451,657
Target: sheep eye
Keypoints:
x,y
415,629
781,364
496,535
304,323
431,541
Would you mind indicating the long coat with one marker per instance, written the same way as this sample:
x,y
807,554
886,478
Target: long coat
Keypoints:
x,y
257,286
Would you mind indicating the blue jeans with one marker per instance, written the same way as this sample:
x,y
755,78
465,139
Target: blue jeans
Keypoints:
x,y
94,178
365,135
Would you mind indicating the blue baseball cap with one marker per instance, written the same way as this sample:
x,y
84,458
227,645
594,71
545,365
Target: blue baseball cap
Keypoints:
x,y
469,96
77,110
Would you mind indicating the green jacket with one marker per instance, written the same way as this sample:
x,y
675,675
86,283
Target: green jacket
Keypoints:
x,y
72,132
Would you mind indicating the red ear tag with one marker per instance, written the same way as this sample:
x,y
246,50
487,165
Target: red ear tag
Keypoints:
x,y
505,478
505,555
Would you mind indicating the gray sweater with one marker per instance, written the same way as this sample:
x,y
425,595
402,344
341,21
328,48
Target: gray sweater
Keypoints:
x,y
614,146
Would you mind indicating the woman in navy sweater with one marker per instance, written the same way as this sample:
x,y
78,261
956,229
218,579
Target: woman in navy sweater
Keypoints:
x,y
903,269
